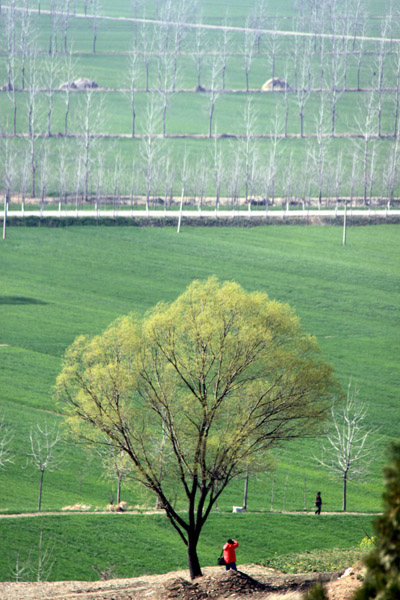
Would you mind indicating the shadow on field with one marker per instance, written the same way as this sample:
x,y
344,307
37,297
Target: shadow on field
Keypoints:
x,y
21,300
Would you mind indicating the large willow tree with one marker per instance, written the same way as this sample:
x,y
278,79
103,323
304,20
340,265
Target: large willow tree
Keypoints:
x,y
195,390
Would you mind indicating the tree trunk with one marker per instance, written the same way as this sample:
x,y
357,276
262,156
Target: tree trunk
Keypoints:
x,y
246,488
40,490
15,114
5,218
67,110
210,119
193,560
344,491
133,113
119,490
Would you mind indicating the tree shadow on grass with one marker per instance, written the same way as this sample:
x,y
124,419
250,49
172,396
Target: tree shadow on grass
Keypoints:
x,y
20,300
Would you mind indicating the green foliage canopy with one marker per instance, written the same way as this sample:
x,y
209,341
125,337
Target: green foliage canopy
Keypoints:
x,y
383,563
195,390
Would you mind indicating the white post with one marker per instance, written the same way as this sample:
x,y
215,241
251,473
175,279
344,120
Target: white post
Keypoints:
x,y
181,209
344,223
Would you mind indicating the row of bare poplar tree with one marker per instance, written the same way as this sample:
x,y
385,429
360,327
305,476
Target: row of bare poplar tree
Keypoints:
x,y
338,48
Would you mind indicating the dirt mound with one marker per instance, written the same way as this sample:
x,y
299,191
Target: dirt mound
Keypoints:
x,y
232,584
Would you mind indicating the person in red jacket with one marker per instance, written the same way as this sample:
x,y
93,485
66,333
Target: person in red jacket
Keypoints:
x,y
230,554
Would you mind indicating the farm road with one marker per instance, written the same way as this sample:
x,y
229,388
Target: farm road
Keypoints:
x,y
160,512
212,27
206,214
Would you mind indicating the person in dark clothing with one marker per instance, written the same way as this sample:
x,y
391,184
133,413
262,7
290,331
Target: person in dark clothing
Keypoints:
x,y
318,503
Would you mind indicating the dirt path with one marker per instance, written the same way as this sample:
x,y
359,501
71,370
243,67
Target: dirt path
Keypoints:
x,y
260,582
211,27
161,512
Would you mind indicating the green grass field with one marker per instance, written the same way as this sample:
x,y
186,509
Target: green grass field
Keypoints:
x,y
83,547
57,284
187,112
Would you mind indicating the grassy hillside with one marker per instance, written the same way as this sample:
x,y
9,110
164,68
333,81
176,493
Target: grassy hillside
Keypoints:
x,y
82,547
57,284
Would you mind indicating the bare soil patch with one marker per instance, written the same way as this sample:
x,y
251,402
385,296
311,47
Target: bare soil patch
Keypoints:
x,y
252,581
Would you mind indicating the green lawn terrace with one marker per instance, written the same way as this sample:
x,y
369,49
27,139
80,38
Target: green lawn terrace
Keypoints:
x,y
61,283
334,130
125,544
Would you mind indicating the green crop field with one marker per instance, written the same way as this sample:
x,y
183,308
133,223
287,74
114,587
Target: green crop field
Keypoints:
x,y
333,133
83,547
57,284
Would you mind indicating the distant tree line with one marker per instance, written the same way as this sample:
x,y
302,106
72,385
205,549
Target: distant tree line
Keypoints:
x,y
336,51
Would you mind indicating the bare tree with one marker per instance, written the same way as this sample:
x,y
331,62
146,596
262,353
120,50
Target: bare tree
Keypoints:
x,y
25,38
396,97
9,169
248,146
132,75
52,72
166,84
318,152
62,172
92,117
6,454
380,68
337,80
10,27
183,184
391,171
33,134
258,22
70,64
55,16
201,179
272,41
289,178
213,93
271,170
20,571
116,466
218,170
223,49
11,61
338,179
46,558
234,176
150,146
43,455
367,126
198,54
360,55
147,43
24,171
349,448
95,24
302,91
65,17
168,171
358,24
248,52
44,173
